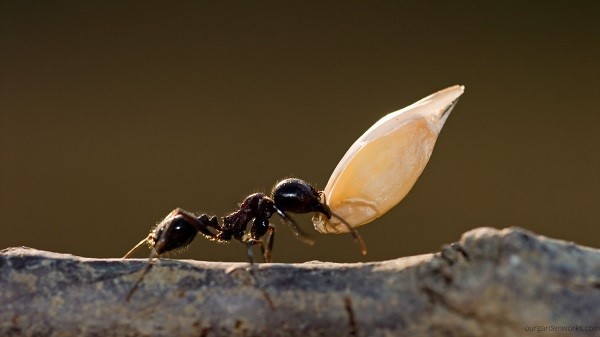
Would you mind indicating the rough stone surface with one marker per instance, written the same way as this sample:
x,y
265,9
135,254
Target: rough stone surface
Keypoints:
x,y
490,283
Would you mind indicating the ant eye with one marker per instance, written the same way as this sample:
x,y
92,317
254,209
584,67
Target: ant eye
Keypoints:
x,y
175,234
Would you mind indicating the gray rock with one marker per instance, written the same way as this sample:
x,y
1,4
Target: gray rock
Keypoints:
x,y
491,283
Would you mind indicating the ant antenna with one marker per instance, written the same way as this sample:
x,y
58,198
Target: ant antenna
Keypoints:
x,y
357,238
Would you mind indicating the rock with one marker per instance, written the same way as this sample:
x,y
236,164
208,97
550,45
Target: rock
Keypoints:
x,y
492,282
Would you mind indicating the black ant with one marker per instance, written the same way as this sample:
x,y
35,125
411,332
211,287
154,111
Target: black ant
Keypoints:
x,y
179,228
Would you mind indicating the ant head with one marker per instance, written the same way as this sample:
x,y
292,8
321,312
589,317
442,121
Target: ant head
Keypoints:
x,y
172,233
297,196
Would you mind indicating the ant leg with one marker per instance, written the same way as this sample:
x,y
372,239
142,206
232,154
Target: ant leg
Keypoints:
x,y
139,280
145,271
250,252
132,250
249,243
261,226
267,251
254,268
298,233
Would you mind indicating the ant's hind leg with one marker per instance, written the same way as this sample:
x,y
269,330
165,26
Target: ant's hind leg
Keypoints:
x,y
132,250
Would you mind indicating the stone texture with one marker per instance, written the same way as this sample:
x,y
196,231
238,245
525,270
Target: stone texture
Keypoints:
x,y
490,283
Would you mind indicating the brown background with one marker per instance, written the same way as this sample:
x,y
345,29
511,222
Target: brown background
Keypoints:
x,y
113,113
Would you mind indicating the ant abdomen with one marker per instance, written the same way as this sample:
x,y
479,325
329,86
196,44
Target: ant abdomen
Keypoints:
x,y
177,234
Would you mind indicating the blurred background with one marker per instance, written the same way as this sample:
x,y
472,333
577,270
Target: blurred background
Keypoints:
x,y
113,113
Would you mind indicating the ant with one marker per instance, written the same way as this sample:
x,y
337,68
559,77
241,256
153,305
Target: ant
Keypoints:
x,y
179,228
